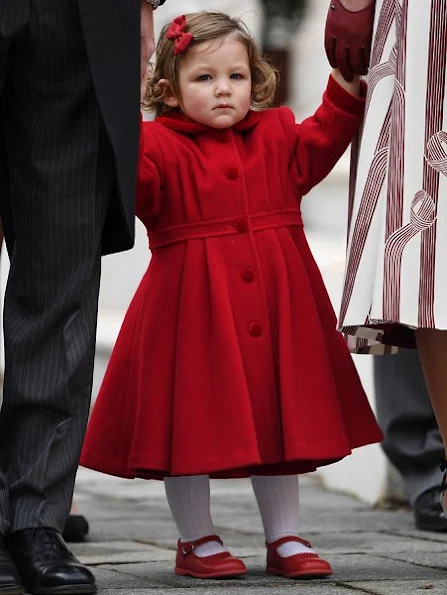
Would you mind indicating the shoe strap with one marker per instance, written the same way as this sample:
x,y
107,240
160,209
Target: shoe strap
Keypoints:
x,y
287,539
189,546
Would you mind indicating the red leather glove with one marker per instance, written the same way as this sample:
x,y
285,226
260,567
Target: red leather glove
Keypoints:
x,y
347,38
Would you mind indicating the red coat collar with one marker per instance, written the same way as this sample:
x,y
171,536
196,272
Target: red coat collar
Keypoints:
x,y
178,122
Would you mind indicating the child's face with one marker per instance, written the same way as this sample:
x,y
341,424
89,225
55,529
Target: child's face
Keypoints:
x,y
215,83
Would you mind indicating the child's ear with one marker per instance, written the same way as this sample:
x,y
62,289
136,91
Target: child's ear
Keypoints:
x,y
168,96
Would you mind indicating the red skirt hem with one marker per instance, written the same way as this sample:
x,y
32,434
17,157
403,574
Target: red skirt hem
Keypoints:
x,y
290,467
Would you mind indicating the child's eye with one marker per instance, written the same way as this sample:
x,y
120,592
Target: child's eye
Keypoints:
x,y
236,76
204,77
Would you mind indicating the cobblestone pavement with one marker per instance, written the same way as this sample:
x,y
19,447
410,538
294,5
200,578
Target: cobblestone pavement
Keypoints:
x,y
131,545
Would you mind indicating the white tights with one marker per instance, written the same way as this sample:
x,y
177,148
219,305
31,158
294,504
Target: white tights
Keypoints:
x,y
278,501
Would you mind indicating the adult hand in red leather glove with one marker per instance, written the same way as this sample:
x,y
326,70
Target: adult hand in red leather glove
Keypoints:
x,y
348,35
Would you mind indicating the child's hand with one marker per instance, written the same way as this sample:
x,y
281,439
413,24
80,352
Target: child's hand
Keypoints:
x,y
352,87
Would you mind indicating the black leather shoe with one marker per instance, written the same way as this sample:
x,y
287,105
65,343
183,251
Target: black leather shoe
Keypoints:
x,y
46,565
10,582
76,528
428,513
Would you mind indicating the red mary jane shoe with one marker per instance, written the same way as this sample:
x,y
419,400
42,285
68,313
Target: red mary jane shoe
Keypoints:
x,y
297,566
222,565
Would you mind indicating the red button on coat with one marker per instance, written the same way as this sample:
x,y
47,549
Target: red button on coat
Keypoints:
x,y
241,225
233,173
248,276
255,329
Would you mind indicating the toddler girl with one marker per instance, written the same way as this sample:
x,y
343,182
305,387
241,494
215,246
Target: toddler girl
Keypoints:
x,y
228,363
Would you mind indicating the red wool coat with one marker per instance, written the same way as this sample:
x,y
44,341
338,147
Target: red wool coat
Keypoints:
x,y
228,361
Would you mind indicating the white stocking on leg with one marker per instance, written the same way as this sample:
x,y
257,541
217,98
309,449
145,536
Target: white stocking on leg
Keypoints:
x,y
278,501
189,501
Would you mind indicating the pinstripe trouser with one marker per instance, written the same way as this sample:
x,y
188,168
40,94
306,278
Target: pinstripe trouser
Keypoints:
x,y
56,178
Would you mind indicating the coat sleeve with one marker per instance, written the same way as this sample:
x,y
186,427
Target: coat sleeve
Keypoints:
x,y
148,175
319,141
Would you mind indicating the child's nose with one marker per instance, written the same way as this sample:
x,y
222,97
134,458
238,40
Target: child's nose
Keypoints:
x,y
223,89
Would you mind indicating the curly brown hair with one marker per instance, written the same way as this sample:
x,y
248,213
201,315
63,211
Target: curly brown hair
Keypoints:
x,y
208,26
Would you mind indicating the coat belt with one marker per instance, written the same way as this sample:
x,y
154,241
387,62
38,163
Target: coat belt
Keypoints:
x,y
161,237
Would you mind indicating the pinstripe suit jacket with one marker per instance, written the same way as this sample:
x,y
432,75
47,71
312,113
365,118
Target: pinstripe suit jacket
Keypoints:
x,y
112,36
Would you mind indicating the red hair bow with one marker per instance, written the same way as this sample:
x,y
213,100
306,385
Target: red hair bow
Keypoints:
x,y
176,31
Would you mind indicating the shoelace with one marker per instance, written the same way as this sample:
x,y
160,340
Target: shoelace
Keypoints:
x,y
47,541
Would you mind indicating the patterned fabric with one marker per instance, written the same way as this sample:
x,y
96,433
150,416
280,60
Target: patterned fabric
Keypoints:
x,y
397,243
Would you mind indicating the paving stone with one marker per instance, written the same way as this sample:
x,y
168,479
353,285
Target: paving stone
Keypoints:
x,y
132,542
218,589
411,532
433,587
119,552
374,542
364,567
150,528
109,578
162,573
429,559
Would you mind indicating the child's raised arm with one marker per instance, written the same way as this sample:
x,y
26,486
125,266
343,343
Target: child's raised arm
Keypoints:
x,y
352,87
320,141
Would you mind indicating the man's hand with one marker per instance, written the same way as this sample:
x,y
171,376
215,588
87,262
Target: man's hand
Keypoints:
x,y
348,35
147,42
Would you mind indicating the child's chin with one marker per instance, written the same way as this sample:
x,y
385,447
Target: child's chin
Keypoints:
x,y
225,121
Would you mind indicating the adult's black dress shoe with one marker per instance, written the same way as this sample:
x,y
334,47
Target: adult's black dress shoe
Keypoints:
x,y
10,582
46,565
76,528
428,513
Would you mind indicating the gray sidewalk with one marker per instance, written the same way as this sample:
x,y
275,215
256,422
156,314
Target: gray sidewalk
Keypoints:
x,y
132,542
